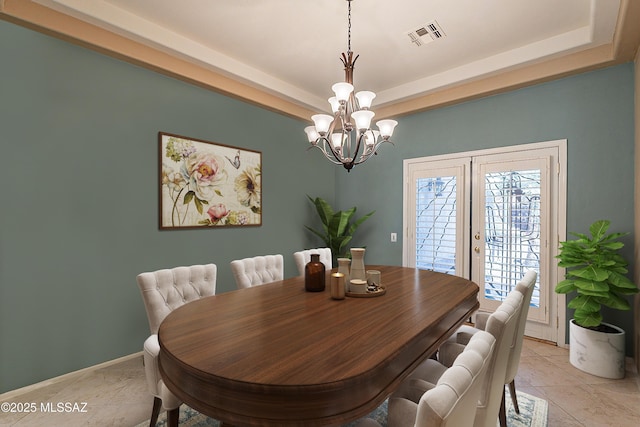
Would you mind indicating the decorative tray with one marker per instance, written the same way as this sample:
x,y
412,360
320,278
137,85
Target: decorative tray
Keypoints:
x,y
381,290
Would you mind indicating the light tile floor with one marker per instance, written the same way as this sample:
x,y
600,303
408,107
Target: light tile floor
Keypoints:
x,y
117,396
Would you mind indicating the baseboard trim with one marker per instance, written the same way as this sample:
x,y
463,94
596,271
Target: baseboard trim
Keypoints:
x,y
27,389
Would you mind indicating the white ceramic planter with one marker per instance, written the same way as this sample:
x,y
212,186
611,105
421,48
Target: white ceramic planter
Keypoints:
x,y
597,353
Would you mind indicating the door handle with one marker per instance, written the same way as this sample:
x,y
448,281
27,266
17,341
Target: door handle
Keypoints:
x,y
476,249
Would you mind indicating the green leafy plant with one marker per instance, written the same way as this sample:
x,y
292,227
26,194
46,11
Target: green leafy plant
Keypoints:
x,y
337,228
596,271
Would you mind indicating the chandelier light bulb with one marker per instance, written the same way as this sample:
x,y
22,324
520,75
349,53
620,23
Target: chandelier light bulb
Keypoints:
x,y
363,119
312,134
342,91
336,140
371,137
335,104
365,98
322,122
386,128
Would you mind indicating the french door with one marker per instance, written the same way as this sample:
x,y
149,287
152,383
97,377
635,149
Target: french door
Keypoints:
x,y
490,216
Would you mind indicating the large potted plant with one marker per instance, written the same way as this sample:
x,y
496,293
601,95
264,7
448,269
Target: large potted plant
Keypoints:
x,y
337,228
597,273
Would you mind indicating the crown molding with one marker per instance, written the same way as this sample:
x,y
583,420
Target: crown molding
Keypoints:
x,y
39,18
72,30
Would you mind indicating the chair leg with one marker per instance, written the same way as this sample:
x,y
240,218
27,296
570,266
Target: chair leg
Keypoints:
x,y
157,404
503,412
172,417
514,398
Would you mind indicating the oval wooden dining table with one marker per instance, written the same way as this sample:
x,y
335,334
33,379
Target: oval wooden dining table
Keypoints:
x,y
275,355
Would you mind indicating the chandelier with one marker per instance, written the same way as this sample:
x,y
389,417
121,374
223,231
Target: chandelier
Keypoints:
x,y
342,141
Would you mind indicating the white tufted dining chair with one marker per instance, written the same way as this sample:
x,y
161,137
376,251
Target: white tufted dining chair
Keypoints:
x,y
501,324
451,399
525,287
258,270
303,257
162,292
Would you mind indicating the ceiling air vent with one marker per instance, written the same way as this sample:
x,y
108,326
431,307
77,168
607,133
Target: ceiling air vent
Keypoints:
x,y
427,33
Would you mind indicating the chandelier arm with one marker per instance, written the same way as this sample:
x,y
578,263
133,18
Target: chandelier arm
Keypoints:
x,y
374,150
323,148
350,106
378,144
335,154
332,126
355,105
332,160
368,148
358,144
347,125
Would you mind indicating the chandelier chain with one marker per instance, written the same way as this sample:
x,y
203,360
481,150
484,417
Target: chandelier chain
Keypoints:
x,y
349,28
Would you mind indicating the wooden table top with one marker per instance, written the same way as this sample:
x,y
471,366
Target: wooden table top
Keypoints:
x,y
277,355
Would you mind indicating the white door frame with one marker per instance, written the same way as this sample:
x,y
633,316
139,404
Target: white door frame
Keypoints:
x,y
560,215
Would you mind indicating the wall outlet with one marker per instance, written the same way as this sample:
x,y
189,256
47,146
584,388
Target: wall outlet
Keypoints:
x,y
394,237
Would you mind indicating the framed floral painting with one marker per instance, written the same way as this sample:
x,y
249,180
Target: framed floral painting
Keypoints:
x,y
205,184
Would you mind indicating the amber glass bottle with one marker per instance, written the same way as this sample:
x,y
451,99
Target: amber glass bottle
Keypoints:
x,y
314,275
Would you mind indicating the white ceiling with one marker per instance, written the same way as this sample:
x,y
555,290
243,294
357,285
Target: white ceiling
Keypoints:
x,y
292,47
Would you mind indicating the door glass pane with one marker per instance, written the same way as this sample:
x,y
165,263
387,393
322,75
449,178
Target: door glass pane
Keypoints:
x,y
436,224
512,231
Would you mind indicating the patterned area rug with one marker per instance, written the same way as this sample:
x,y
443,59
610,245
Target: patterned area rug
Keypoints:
x,y
533,413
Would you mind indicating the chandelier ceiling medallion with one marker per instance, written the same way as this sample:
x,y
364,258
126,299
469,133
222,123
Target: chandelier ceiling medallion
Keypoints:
x,y
342,141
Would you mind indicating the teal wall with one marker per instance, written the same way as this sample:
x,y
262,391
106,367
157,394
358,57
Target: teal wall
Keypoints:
x,y
78,218
593,111
79,210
